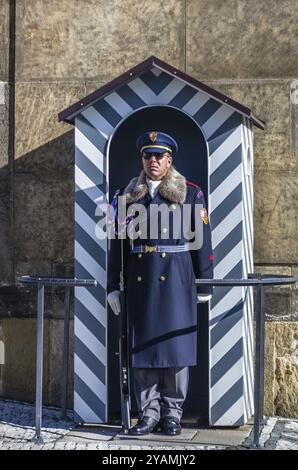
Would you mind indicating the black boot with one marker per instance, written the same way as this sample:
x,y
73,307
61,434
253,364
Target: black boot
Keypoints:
x,y
170,426
144,426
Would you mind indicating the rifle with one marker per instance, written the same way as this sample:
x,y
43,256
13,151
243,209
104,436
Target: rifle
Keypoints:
x,y
124,352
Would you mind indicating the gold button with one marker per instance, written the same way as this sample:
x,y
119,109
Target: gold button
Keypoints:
x,y
162,278
164,230
163,255
140,255
139,278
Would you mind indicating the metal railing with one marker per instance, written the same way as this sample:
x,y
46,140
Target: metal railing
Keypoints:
x,y
260,282
41,282
254,280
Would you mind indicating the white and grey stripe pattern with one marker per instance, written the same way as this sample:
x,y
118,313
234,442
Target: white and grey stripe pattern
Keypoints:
x,y
90,361
222,128
248,265
226,315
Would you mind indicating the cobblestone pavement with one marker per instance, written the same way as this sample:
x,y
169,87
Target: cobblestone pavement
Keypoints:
x,y
17,431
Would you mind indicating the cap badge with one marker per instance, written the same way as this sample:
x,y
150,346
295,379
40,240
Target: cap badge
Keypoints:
x,y
153,136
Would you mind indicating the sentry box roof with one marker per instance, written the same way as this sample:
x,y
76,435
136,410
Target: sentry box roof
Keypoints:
x,y
150,69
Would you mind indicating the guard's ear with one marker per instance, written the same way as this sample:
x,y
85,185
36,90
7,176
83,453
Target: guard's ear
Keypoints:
x,y
170,158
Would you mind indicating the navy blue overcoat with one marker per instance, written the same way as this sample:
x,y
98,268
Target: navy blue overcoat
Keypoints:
x,y
160,290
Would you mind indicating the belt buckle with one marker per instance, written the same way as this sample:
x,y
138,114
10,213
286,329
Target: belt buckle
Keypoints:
x,y
150,249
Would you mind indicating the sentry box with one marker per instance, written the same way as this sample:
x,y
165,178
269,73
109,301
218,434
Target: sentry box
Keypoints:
x,y
215,139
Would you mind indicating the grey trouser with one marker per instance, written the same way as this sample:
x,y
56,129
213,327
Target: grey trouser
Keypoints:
x,y
161,391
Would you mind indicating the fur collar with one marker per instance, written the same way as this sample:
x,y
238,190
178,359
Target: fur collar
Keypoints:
x,y
172,187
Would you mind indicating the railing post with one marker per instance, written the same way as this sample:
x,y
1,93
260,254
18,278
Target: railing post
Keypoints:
x,y
65,352
39,361
262,352
259,363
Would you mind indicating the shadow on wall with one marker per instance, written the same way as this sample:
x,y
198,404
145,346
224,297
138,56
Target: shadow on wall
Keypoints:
x,y
36,238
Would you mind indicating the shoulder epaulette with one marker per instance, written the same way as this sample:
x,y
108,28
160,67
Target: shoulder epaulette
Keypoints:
x,y
189,183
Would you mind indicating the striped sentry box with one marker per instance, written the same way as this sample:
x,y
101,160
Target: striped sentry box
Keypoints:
x,y
228,134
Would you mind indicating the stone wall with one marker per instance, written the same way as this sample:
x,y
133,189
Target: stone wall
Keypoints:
x,y
281,365
65,50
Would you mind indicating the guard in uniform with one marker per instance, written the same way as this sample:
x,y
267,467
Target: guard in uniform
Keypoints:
x,y
161,295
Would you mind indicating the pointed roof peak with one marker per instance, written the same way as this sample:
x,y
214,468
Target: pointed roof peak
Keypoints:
x,y
69,113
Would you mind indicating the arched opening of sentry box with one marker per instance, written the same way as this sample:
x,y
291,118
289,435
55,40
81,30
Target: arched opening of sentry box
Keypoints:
x,y
125,163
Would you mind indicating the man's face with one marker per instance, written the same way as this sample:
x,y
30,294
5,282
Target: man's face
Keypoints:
x,y
156,165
